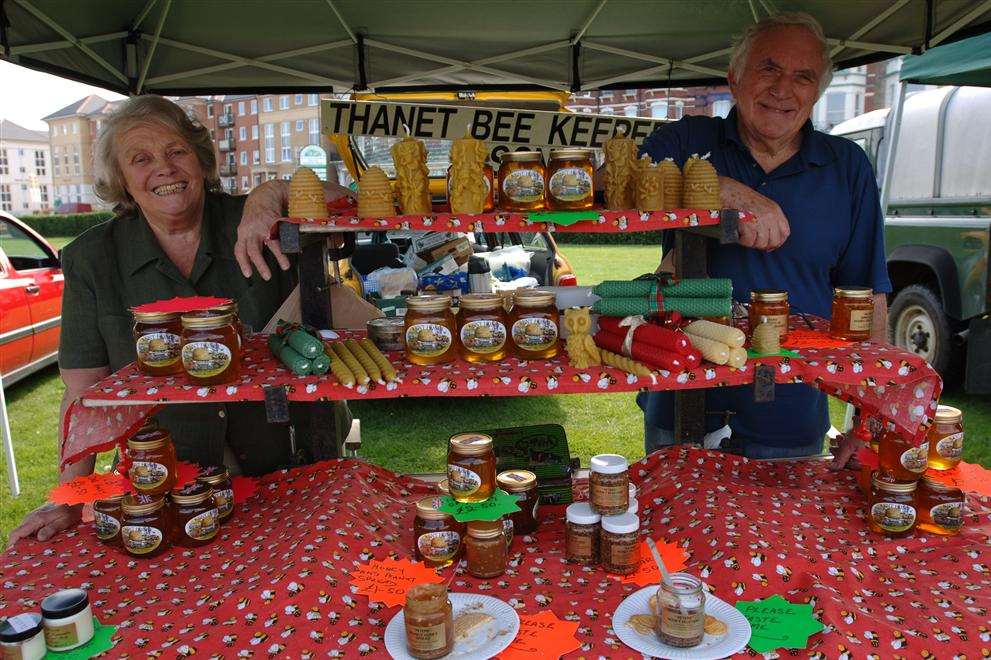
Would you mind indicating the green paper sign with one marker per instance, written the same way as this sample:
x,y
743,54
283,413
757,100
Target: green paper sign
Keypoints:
x,y
493,508
778,624
563,218
784,352
100,643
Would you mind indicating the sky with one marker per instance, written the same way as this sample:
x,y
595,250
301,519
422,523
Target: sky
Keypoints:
x,y
39,95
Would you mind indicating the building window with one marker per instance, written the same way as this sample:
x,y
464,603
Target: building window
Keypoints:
x,y
314,131
244,157
284,102
267,104
240,108
44,194
209,109
679,109
721,107
254,131
242,133
630,111
269,143
299,125
254,106
255,158
835,107
40,168
286,154
286,177
75,159
228,109
4,163
5,197
75,128
284,131
244,183
314,99
299,99
659,110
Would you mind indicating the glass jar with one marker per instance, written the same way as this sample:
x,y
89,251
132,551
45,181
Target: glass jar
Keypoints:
x,y
681,611
853,313
211,348
581,534
106,519
609,484
146,529
534,324
471,467
482,328
219,479
429,620
231,308
153,462
770,306
521,484
892,507
485,548
437,536
940,507
620,543
197,519
899,459
569,180
945,438
430,330
157,339
521,181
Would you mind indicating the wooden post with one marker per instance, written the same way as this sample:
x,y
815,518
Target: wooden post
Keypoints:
x,y
689,405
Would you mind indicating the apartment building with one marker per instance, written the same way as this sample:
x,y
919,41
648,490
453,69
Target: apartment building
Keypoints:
x,y
72,133
672,103
25,170
288,122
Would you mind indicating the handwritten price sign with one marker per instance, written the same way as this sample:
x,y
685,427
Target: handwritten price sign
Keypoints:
x,y
542,636
777,624
387,580
89,488
500,504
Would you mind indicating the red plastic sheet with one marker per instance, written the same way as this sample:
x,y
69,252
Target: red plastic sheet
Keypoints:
x,y
277,580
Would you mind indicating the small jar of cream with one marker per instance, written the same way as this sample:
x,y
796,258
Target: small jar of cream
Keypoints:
x,y
21,636
68,619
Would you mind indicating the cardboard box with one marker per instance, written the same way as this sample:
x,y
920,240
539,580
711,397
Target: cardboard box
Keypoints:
x,y
391,306
459,248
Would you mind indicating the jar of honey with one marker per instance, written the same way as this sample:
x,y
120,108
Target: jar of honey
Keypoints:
x,y
521,484
620,543
153,461
471,467
940,507
486,548
430,330
569,180
534,324
231,308
197,519
853,313
769,306
437,536
482,328
211,348
219,480
429,621
892,507
582,534
146,525
106,519
157,339
945,438
899,459
521,181
609,484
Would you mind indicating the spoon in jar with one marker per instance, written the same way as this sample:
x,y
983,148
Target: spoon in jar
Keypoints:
x,y
665,576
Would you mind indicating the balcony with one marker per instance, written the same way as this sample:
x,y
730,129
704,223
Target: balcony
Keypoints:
x,y
225,120
227,144
228,169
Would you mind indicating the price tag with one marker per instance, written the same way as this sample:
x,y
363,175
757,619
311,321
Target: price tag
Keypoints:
x,y
542,636
493,508
777,624
90,488
387,580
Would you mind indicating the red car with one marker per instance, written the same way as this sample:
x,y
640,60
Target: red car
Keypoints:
x,y
30,300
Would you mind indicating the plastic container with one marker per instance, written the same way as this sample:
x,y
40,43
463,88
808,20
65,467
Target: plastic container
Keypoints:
x,y
67,619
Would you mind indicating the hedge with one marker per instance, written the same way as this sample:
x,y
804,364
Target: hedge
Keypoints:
x,y
71,224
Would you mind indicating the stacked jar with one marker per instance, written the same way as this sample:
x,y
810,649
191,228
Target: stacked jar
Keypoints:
x,y
206,345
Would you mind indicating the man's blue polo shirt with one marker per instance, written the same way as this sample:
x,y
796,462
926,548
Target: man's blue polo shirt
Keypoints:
x,y
829,194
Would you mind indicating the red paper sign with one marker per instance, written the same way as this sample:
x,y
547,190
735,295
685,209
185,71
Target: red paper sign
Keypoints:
x,y
647,572
185,473
803,338
90,488
180,305
542,635
968,477
387,580
244,487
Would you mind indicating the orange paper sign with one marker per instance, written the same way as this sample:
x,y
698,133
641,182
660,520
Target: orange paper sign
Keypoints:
x,y
647,572
968,477
89,488
542,635
387,580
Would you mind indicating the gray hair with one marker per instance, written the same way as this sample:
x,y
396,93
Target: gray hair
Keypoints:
x,y
149,109
741,49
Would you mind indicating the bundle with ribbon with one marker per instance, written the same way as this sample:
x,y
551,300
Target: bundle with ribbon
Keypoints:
x,y
661,293
695,307
626,337
668,339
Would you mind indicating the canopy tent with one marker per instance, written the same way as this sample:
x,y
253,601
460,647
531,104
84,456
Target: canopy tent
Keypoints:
x,y
966,62
229,46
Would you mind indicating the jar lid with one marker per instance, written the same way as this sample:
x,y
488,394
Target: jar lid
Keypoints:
x,y
624,523
65,603
481,301
571,154
226,308
426,508
634,506
444,486
425,594
534,298
194,492
608,464
948,414
893,486
471,444
486,529
206,320
213,475
155,317
938,485
386,324
20,627
428,303
853,292
151,438
581,513
768,295
514,481
139,505
520,156
110,500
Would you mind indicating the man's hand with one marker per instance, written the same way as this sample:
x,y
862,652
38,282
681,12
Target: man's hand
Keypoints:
x,y
769,229
262,210
46,521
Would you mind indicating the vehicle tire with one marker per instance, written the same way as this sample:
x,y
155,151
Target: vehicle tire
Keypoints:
x,y
917,323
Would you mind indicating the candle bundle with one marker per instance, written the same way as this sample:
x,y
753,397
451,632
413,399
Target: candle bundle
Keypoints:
x,y
649,355
697,307
690,297
668,339
718,343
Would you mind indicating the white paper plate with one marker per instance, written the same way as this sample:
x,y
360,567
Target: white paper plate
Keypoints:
x,y
485,642
711,648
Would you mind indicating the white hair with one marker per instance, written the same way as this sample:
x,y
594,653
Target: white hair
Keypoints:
x,y
741,49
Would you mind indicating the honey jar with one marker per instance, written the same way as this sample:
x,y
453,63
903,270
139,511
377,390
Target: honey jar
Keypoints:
x,y
429,621
521,181
437,536
892,507
106,519
197,519
945,438
146,528
482,328
486,548
231,308
899,459
157,339
153,461
620,543
581,534
853,313
940,507
521,484
769,306
534,324
569,180
471,467
430,330
609,484
219,480
211,348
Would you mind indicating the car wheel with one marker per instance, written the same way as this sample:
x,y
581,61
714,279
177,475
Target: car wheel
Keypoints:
x,y
917,323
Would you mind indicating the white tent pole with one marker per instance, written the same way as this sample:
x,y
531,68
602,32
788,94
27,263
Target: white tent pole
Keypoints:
x,y
8,445
58,45
144,12
154,45
895,129
753,10
680,64
708,56
769,7
868,45
962,21
871,24
588,22
351,34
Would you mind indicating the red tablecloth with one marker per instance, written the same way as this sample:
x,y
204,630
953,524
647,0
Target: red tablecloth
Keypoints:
x,y
277,579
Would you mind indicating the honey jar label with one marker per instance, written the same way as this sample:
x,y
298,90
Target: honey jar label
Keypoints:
x,y
570,184
140,539
861,320
624,553
951,447
915,459
204,526
948,515
224,499
147,475
893,516
523,186
428,339
483,336
106,525
426,638
534,333
580,545
439,547
203,359
687,625
462,481
158,349
60,636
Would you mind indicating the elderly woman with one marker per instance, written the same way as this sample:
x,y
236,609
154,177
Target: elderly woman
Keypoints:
x,y
174,234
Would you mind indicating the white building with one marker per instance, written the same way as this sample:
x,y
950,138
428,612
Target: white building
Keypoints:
x,y
843,99
25,170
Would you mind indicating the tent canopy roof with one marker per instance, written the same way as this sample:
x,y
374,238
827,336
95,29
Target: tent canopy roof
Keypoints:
x,y
966,62
230,46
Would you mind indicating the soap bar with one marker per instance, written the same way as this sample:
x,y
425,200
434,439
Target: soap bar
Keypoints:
x,y
732,337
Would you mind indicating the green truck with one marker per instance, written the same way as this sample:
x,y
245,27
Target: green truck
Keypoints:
x,y
937,226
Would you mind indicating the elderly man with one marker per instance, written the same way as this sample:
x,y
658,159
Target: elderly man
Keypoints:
x,y
818,219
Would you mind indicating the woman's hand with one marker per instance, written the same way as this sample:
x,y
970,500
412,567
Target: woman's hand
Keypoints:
x,y
262,210
769,229
46,521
